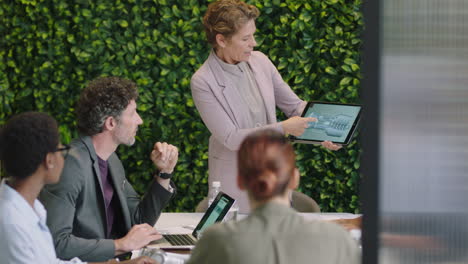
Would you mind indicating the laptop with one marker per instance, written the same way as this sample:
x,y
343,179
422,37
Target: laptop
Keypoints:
x,y
215,213
336,122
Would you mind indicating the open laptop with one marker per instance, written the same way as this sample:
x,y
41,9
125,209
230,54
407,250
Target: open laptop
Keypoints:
x,y
215,213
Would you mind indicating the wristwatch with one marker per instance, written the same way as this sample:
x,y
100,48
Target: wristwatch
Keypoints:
x,y
162,175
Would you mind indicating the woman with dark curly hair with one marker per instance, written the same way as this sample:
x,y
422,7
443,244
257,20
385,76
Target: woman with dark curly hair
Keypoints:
x,y
237,90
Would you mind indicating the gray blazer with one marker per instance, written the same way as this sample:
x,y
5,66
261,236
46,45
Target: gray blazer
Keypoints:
x,y
222,111
275,233
76,209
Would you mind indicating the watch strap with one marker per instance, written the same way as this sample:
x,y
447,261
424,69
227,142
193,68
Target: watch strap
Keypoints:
x,y
163,175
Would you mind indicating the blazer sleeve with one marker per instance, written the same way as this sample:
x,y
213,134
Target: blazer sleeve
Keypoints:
x,y
149,208
215,117
60,201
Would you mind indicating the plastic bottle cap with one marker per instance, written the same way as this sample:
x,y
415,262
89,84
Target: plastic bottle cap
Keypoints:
x,y
216,184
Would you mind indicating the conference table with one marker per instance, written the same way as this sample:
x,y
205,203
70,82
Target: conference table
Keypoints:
x,y
172,223
184,223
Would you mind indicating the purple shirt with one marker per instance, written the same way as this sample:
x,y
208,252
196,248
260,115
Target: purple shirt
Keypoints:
x,y
108,191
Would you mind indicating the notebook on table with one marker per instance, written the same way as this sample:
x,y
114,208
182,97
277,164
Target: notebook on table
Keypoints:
x,y
215,213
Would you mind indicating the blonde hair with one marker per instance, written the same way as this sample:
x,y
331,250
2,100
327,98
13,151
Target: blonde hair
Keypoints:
x,y
226,17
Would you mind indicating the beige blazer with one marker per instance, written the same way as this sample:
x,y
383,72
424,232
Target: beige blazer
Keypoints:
x,y
221,108
275,233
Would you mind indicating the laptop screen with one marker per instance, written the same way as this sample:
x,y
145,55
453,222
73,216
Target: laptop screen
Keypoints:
x,y
215,213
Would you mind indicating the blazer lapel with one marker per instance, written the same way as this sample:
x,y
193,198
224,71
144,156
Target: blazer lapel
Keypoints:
x,y
97,174
119,183
226,94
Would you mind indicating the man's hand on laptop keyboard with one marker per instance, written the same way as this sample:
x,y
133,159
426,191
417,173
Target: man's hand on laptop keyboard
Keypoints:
x,y
138,237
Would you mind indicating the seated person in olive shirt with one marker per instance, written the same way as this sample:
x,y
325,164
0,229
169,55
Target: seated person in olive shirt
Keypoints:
x,y
273,232
94,213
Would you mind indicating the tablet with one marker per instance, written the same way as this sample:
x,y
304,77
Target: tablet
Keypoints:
x,y
336,122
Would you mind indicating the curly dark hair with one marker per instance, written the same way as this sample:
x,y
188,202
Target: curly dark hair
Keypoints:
x,y
25,141
103,97
226,17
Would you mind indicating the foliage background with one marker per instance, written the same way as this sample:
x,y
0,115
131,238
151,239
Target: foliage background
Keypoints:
x,y
50,49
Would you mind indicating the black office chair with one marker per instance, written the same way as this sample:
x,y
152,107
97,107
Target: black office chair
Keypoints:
x,y
299,201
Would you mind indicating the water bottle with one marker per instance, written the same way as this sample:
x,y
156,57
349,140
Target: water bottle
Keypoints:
x,y
215,188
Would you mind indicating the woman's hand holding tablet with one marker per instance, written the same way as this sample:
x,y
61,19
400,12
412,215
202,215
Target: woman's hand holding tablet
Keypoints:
x,y
335,124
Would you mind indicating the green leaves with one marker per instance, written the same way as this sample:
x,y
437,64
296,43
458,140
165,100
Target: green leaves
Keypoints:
x,y
316,47
345,81
51,49
123,23
330,70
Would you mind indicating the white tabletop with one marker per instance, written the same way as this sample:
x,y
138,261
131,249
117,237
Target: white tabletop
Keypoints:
x,y
185,222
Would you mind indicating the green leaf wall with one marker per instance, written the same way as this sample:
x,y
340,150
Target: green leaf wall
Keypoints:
x,y
50,49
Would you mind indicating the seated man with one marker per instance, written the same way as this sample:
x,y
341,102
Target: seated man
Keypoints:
x,y
32,156
94,211
273,232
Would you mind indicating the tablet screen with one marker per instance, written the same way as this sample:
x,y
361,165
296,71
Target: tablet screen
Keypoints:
x,y
336,122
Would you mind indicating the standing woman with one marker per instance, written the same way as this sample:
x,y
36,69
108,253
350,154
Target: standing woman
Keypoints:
x,y
273,232
237,90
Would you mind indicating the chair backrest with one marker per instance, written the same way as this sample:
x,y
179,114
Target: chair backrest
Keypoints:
x,y
202,206
301,202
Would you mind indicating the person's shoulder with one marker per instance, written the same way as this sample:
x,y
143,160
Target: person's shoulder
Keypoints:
x,y
326,230
202,72
212,246
333,238
218,229
221,231
16,232
324,225
80,152
259,60
203,77
78,142
81,145
259,56
8,213
77,168
205,67
11,219
11,228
